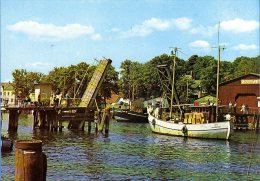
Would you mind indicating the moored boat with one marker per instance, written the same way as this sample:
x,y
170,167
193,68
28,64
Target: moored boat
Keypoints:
x,y
197,123
130,116
200,129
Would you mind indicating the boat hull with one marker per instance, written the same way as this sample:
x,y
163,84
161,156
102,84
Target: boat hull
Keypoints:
x,y
130,116
218,130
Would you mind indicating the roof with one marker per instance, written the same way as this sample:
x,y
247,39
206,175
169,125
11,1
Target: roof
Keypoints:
x,y
114,97
238,78
7,86
206,98
44,83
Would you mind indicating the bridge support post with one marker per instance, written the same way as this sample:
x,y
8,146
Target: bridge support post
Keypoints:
x,y
89,126
107,119
54,120
13,120
42,118
35,118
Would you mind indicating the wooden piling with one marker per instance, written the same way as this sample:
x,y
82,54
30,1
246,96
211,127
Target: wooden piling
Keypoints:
x,y
55,121
42,118
13,120
107,119
35,118
30,162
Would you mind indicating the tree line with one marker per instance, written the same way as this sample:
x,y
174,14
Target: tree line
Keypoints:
x,y
139,80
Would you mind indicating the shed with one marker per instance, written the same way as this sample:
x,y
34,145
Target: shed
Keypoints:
x,y
43,91
243,90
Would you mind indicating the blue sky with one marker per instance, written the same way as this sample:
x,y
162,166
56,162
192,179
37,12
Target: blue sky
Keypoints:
x,y
38,35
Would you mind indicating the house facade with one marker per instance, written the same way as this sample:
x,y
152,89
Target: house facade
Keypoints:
x,y
7,94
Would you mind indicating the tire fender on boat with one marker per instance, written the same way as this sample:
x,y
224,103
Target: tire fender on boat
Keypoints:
x,y
153,122
184,129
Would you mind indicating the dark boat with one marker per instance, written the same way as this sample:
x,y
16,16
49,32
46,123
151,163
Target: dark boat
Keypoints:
x,y
130,116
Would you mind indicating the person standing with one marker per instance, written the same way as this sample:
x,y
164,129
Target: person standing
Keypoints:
x,y
235,107
229,107
243,108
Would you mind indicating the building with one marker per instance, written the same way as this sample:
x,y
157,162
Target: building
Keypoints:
x,y
43,92
7,94
242,90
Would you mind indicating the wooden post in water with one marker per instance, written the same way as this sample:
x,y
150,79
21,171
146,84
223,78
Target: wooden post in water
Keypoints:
x,y
35,118
42,118
49,119
107,119
89,126
30,162
13,120
54,118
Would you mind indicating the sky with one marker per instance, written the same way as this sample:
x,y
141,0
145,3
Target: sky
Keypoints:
x,y
38,35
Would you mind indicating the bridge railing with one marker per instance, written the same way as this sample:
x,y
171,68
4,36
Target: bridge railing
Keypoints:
x,y
241,110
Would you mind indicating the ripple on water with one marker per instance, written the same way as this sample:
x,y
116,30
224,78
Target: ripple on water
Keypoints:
x,y
132,152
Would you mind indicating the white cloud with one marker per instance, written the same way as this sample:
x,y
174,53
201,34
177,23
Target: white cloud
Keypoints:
x,y
51,31
206,31
244,47
239,25
236,25
155,24
38,64
199,44
115,29
182,23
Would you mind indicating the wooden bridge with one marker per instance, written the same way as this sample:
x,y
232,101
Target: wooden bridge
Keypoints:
x,y
51,117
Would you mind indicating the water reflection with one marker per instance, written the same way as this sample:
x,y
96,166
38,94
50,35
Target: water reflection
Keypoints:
x,y
132,152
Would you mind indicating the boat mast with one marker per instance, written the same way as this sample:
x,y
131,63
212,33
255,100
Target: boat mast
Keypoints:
x,y
173,78
217,94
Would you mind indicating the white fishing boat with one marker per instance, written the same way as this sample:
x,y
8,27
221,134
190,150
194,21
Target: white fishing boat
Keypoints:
x,y
192,123
186,128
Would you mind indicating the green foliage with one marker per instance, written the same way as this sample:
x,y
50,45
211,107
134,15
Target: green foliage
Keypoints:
x,y
23,82
244,65
140,80
131,80
109,84
186,87
138,105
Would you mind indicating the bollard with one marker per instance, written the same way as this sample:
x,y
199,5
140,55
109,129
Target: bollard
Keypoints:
x,y
30,162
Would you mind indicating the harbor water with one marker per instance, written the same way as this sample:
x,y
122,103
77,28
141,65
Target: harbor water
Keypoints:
x,y
133,152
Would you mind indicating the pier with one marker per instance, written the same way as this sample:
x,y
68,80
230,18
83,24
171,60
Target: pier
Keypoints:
x,y
50,118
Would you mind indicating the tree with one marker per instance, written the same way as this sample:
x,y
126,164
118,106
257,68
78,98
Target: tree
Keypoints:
x,y
23,82
245,65
131,79
110,83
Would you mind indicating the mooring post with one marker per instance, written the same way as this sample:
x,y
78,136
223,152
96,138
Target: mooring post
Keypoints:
x,y
89,126
107,119
13,119
60,126
42,113
30,162
49,118
35,118
54,122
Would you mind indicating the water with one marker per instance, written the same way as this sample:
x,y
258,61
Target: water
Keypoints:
x,y
133,152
